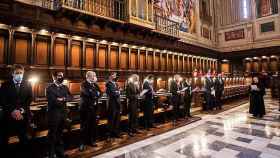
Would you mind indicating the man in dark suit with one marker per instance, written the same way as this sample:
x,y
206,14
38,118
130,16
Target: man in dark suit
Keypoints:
x,y
209,87
16,99
57,95
219,90
148,103
132,94
187,97
113,92
175,89
90,93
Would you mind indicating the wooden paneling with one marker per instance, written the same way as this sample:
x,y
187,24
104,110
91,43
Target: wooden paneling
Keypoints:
x,y
42,49
180,66
2,49
74,88
248,66
102,57
133,59
150,61
273,65
264,65
124,59
225,67
21,49
163,63
256,66
170,63
157,62
89,56
142,60
175,63
76,54
113,58
59,53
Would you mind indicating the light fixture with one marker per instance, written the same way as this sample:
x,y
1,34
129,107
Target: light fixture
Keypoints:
x,y
23,28
43,32
77,37
91,40
114,44
103,42
33,79
61,35
124,45
134,47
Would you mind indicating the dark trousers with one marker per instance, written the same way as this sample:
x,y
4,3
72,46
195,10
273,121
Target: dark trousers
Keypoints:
x,y
132,114
88,125
219,101
148,113
187,102
209,101
19,129
114,117
56,124
176,107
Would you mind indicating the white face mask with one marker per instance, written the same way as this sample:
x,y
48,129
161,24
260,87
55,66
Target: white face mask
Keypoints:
x,y
18,77
94,79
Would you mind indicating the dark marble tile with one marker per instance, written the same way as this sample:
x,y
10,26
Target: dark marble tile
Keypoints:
x,y
246,140
219,134
254,132
244,152
217,145
214,123
273,146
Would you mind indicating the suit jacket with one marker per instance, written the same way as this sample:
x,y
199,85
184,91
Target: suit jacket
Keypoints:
x,y
53,92
208,85
132,92
174,87
188,91
149,95
113,93
219,87
13,99
89,94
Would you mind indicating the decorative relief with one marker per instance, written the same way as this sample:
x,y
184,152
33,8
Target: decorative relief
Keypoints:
x,y
235,35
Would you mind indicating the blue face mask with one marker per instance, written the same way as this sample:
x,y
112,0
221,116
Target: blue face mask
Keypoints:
x,y
18,77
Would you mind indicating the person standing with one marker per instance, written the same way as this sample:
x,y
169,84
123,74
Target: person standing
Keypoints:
x,y
16,99
175,89
148,103
219,90
132,93
257,91
113,92
209,87
57,95
90,92
187,97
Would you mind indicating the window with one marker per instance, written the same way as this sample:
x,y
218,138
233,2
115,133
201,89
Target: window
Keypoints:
x,y
245,9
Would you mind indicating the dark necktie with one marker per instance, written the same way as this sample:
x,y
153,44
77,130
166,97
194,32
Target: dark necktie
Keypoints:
x,y
17,87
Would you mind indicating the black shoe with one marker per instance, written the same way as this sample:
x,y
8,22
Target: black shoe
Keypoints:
x,y
82,147
93,144
130,134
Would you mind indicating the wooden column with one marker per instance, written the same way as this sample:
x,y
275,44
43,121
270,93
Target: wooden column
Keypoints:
x,y
138,59
107,57
51,57
83,61
68,52
154,58
184,66
96,63
10,47
33,47
119,58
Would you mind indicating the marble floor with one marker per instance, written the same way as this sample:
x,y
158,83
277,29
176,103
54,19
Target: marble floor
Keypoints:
x,y
230,134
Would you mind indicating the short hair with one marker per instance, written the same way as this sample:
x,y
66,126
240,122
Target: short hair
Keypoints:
x,y
150,77
54,74
90,72
17,66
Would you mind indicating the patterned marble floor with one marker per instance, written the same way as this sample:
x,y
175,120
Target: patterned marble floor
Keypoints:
x,y
231,134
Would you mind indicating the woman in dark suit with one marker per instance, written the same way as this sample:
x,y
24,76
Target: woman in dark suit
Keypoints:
x,y
257,91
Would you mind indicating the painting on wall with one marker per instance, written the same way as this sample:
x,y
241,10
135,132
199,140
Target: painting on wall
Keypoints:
x,y
181,11
205,11
234,35
266,7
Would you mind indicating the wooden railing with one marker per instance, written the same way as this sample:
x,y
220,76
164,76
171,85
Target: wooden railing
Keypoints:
x,y
165,25
115,9
48,4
